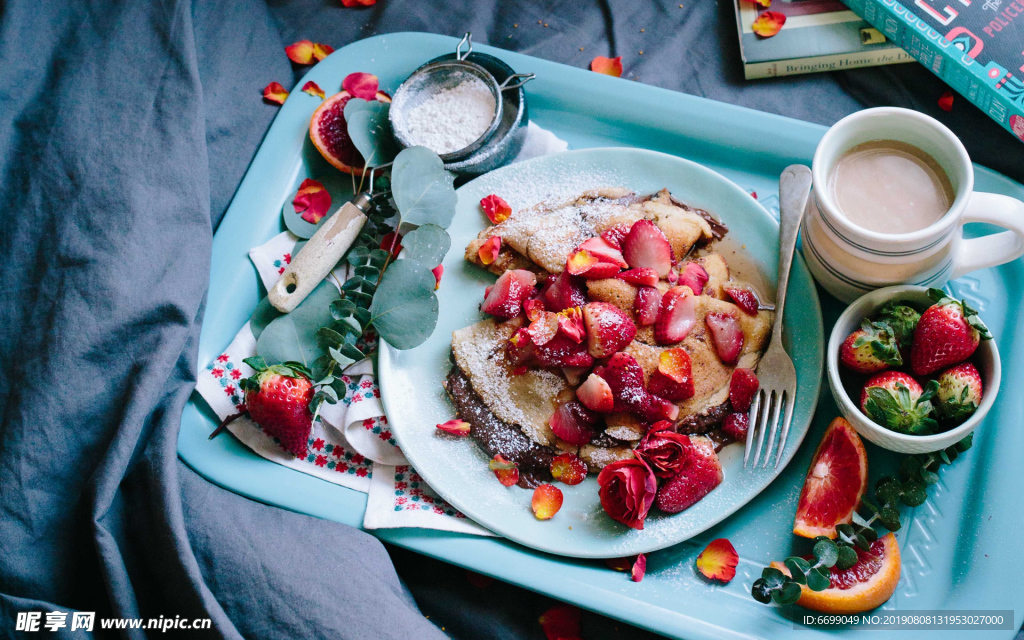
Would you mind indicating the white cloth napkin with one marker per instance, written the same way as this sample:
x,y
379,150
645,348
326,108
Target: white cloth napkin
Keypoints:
x,y
352,445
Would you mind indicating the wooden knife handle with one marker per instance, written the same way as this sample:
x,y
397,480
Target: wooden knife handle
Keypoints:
x,y
318,256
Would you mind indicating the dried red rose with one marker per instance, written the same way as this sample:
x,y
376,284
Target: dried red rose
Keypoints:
x,y
665,451
627,490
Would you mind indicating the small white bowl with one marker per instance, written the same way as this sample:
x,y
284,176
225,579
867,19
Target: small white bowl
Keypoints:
x,y
986,358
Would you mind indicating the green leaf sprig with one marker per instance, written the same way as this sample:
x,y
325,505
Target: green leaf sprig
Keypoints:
x,y
909,488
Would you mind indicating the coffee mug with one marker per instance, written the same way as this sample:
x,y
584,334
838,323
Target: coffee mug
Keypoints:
x,y
849,260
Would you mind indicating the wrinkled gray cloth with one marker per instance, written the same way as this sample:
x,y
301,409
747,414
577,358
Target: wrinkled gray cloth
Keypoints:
x,y
125,128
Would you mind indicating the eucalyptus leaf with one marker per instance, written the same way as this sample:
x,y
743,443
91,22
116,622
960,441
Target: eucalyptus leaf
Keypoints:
x,y
293,336
427,244
329,338
358,255
342,308
353,105
798,568
826,552
816,581
773,577
404,309
370,131
847,558
423,191
761,591
264,314
789,593
914,493
889,517
340,358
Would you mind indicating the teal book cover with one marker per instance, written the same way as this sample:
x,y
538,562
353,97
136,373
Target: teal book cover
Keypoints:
x,y
975,46
818,35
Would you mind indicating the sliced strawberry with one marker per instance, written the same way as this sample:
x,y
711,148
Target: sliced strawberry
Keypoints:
x,y
573,423
703,474
616,235
676,317
564,291
742,388
727,336
609,328
644,276
506,297
735,426
562,351
596,395
601,270
647,305
673,379
647,246
694,276
544,328
744,297
625,376
604,251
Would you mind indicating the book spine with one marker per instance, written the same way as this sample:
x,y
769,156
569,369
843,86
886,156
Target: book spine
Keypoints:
x,y
951,64
816,64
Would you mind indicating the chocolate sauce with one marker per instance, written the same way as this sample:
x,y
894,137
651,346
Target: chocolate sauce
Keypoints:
x,y
495,436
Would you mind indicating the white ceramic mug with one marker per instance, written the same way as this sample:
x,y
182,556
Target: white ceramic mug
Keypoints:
x,y
850,261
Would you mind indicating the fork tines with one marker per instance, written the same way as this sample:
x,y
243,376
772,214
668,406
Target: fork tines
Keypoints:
x,y
768,405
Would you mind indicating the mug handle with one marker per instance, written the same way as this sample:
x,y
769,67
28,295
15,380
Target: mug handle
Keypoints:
x,y
997,248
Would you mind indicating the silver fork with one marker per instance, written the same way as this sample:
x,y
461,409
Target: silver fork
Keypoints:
x,y
775,370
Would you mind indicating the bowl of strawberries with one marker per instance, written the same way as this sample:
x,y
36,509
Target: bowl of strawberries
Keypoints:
x,y
913,369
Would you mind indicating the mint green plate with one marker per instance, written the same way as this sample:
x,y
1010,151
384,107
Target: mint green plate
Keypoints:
x,y
416,402
959,549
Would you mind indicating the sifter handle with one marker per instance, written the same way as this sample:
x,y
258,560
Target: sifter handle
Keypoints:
x,y
319,255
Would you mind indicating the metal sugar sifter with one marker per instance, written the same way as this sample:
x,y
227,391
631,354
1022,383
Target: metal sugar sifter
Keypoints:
x,y
440,75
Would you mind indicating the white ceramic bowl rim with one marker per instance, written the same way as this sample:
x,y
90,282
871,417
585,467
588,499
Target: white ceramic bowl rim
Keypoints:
x,y
876,299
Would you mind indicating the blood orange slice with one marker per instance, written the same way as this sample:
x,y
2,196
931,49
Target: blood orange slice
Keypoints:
x,y
835,482
862,587
329,133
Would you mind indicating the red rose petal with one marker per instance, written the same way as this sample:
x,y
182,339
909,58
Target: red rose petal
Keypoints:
x,y
350,4
547,500
274,93
455,427
321,51
718,560
361,85
764,3
561,622
496,208
607,66
300,52
568,468
312,201
768,23
313,89
639,568
506,472
946,101
488,251
438,271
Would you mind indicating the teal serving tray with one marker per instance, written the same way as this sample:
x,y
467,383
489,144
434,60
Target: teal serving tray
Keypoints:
x,y
959,549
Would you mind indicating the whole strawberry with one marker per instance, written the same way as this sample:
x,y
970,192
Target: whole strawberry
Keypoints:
x,y
870,349
277,397
902,319
948,333
959,392
896,401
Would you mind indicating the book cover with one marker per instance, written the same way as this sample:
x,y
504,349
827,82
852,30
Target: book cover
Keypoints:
x,y
975,46
819,35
